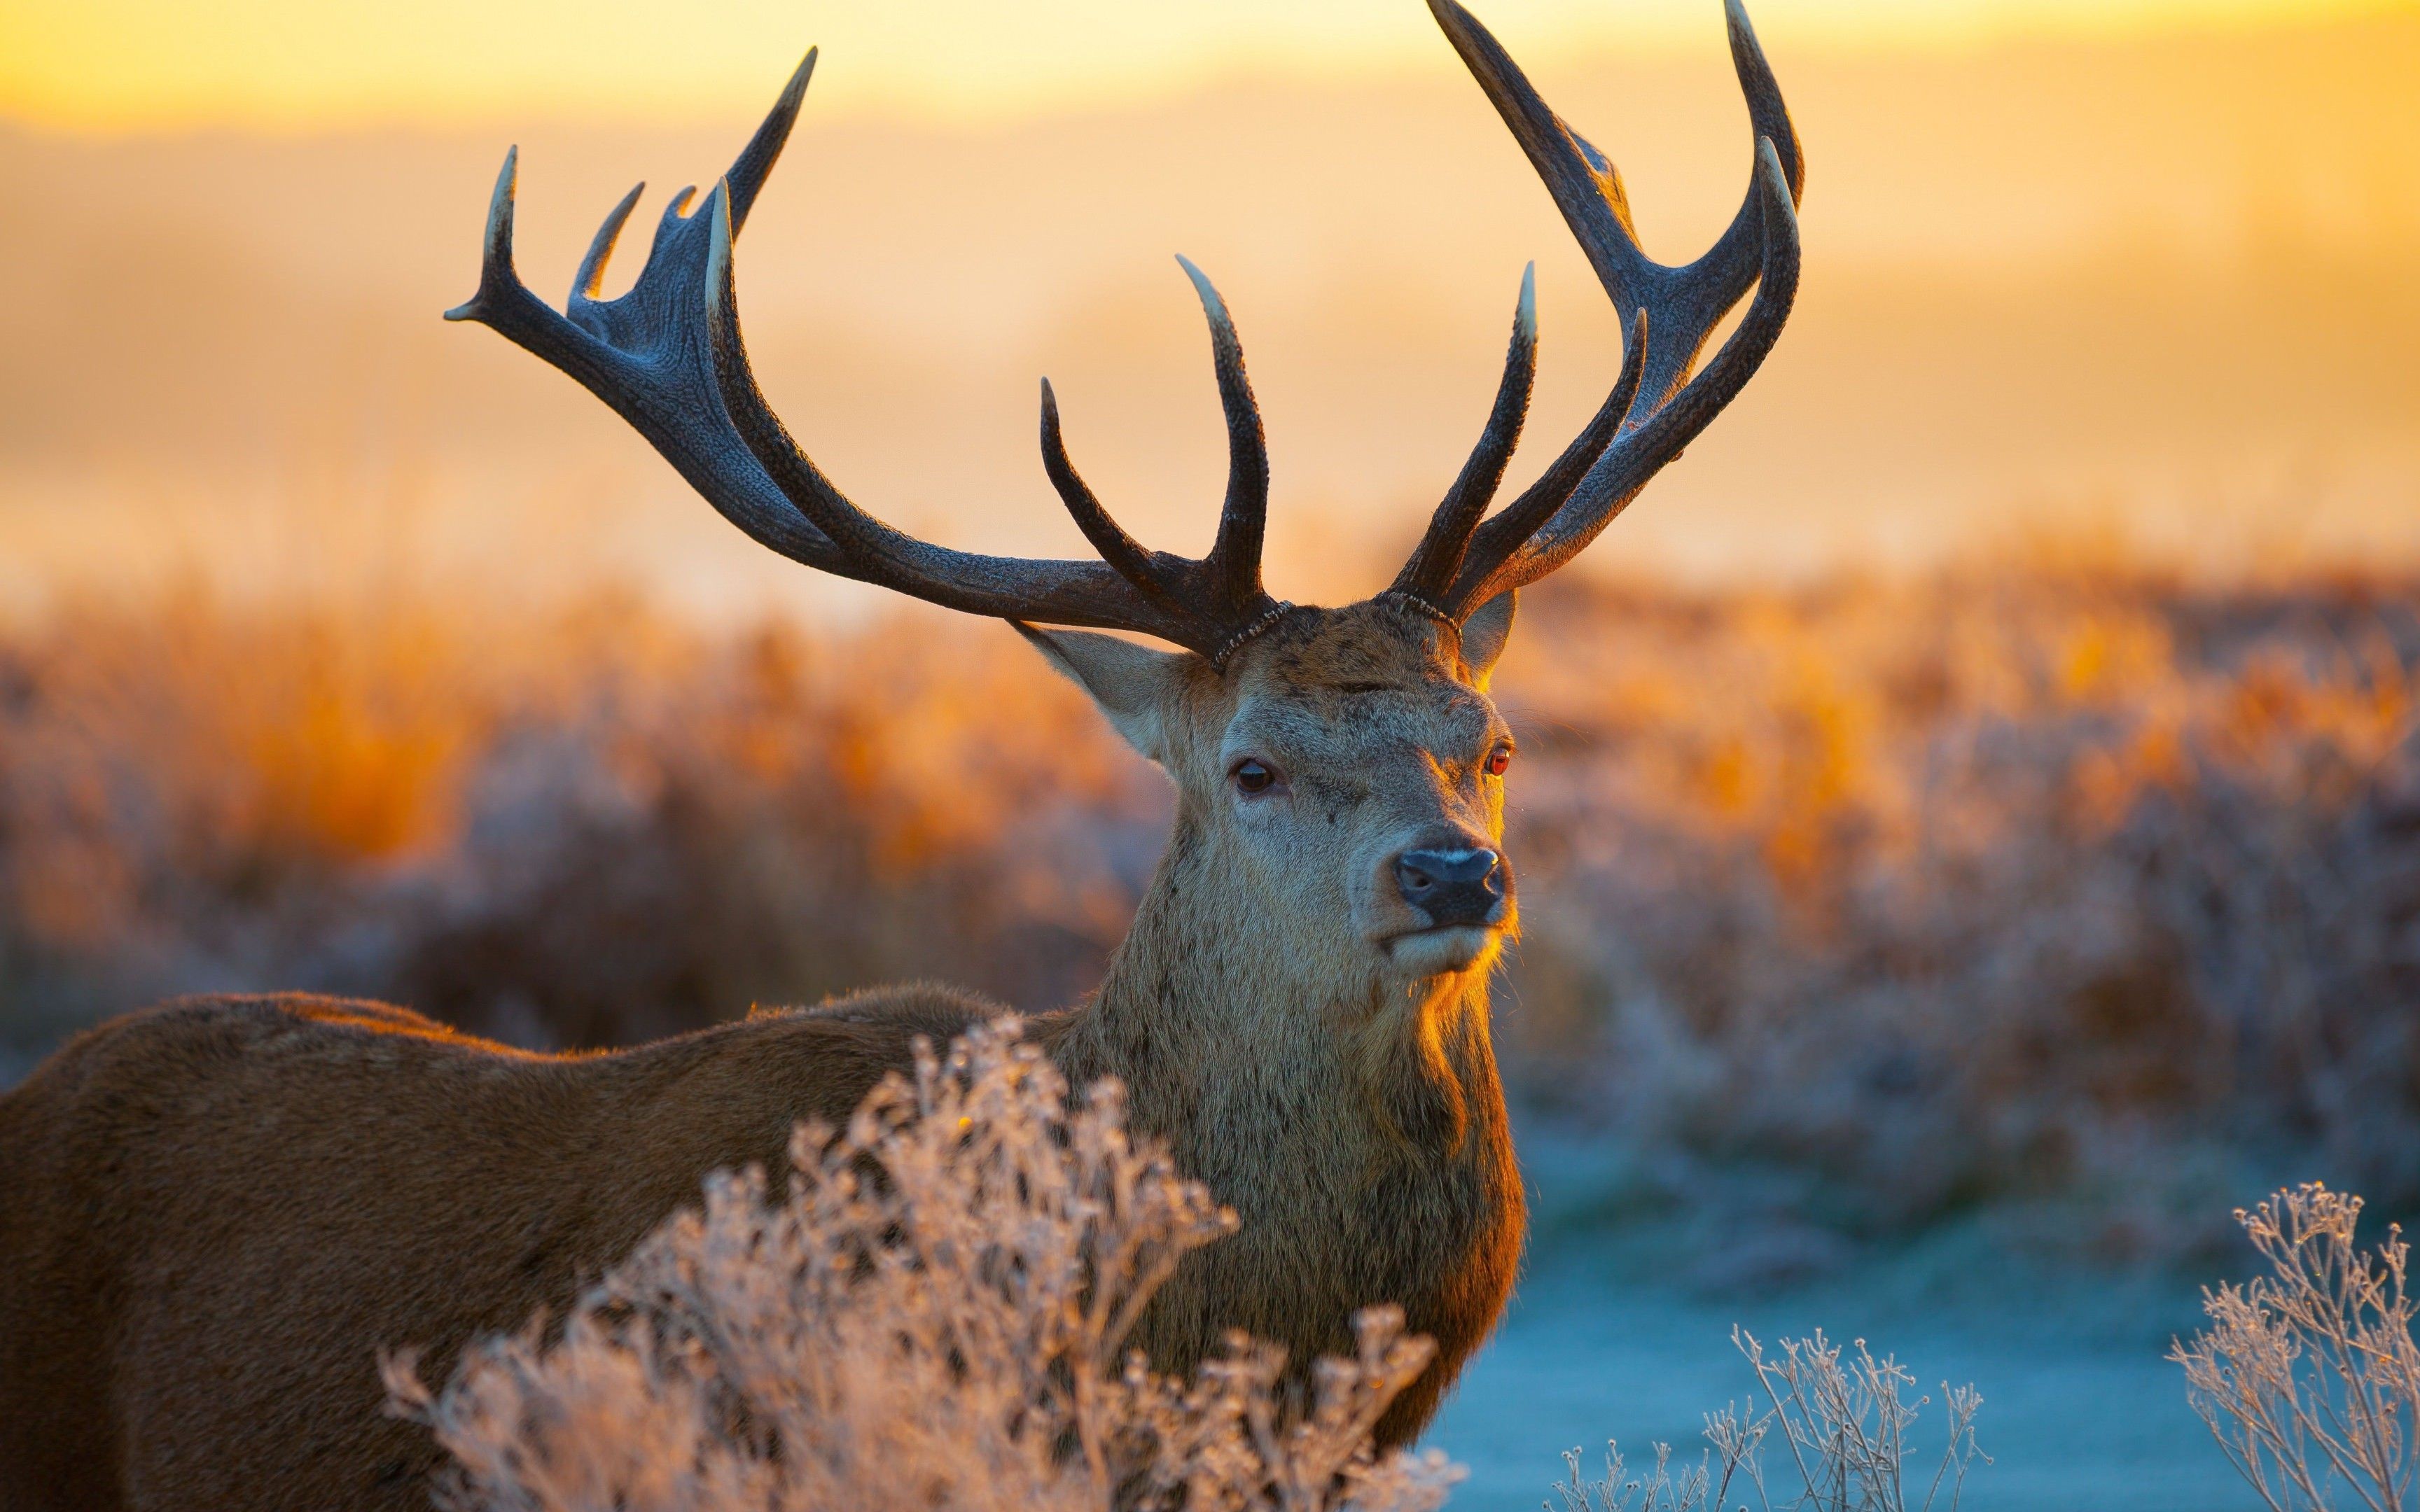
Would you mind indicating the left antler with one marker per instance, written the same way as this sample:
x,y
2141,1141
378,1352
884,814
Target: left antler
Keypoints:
x,y
1656,408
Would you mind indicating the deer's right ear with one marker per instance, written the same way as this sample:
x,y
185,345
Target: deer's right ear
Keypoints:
x,y
1130,684
1484,633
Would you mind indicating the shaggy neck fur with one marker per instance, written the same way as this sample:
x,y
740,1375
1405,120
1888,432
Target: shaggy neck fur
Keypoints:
x,y
1357,1127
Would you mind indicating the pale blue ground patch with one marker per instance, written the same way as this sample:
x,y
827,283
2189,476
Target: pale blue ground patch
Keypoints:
x,y
2081,1411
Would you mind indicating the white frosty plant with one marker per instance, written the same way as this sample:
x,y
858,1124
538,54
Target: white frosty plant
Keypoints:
x,y
933,1317
1844,1419
2309,1376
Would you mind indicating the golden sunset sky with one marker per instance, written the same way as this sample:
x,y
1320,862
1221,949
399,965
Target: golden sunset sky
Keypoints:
x,y
2140,268
117,65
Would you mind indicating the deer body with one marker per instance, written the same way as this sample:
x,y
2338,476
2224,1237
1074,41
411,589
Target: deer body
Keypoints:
x,y
270,1170
214,1207
214,1214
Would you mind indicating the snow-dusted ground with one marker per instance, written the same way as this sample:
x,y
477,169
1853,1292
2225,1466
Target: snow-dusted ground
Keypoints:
x,y
1621,1335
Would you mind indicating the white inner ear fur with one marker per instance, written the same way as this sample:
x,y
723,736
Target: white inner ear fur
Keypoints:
x,y
1128,683
1486,632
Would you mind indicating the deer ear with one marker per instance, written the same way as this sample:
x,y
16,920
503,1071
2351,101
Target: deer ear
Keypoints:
x,y
1484,633
1130,684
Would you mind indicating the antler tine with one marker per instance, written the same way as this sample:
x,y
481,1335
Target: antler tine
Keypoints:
x,y
755,161
591,277
1431,570
1502,533
1132,560
1736,258
1235,559
1586,186
1513,557
1689,300
498,280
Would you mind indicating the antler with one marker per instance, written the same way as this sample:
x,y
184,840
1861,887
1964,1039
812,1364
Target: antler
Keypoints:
x,y
668,357
1656,408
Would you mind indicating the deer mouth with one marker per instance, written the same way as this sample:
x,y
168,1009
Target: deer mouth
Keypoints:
x,y
1442,949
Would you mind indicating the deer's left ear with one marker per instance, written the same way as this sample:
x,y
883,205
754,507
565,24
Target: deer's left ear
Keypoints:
x,y
1484,633
1130,684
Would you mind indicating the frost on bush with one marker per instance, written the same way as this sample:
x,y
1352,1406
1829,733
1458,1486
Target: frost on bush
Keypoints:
x,y
934,1316
1694,1489
2309,1377
1845,1421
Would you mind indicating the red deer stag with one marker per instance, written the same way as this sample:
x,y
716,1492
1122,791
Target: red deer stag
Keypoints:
x,y
215,1213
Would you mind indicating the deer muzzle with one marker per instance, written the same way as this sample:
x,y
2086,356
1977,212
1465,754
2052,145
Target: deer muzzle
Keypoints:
x,y
1455,888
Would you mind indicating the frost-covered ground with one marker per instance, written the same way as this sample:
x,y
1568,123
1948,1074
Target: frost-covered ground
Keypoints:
x,y
2076,1414
1627,1334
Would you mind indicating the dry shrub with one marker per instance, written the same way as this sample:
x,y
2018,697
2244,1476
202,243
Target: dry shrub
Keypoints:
x,y
932,1318
2309,1377
1844,1419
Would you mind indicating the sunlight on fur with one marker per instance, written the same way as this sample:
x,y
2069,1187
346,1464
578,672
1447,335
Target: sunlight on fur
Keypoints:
x,y
932,1316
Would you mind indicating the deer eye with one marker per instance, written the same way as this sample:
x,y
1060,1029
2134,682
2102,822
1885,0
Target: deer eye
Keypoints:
x,y
1499,761
1253,776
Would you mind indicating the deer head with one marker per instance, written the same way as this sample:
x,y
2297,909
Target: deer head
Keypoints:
x,y
1345,764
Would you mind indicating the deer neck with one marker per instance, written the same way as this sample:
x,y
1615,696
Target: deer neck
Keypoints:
x,y
1260,1046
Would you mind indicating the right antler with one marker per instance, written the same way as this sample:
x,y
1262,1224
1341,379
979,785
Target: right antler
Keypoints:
x,y
668,357
1656,408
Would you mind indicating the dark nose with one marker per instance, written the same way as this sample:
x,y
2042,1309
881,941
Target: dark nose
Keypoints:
x,y
1451,887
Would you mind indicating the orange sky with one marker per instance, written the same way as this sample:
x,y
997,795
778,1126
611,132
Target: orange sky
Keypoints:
x,y
131,64
2154,273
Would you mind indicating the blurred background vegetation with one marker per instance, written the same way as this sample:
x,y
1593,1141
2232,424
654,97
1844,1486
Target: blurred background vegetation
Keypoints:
x,y
2062,882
